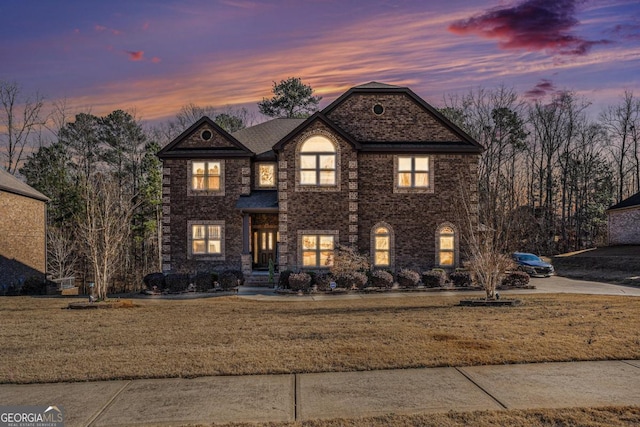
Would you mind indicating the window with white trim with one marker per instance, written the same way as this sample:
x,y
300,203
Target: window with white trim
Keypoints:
x,y
317,162
317,250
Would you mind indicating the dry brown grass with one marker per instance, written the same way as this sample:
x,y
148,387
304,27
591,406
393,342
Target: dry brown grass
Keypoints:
x,y
584,417
42,342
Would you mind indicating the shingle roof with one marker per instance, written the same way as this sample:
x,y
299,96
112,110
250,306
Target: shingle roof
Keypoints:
x,y
12,184
262,137
259,201
627,203
376,85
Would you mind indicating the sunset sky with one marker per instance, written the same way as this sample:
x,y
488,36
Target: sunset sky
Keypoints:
x,y
156,56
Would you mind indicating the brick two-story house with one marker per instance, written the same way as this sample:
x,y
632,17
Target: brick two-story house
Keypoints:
x,y
378,168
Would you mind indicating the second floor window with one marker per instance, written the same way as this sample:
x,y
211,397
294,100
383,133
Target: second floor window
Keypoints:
x,y
205,176
413,172
266,175
318,162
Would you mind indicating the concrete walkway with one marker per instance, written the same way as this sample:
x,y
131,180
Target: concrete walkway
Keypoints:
x,y
279,398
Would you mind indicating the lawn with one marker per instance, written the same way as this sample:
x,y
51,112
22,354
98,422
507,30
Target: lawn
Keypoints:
x,y
43,342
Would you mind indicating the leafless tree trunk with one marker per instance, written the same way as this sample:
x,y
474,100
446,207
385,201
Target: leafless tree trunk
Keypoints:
x,y
19,118
62,255
621,122
104,229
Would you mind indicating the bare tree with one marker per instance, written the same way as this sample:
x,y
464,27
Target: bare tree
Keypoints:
x,y
621,122
20,118
61,253
104,229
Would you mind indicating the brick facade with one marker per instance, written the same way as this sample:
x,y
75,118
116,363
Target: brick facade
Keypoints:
x,y
369,126
22,238
624,226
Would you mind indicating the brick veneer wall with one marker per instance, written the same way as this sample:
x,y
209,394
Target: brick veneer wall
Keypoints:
x,y
403,119
414,218
325,209
22,238
624,226
179,208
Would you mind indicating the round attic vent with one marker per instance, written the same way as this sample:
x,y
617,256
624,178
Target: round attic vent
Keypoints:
x,y
206,135
378,109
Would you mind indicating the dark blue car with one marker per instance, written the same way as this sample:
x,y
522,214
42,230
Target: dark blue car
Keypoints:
x,y
532,264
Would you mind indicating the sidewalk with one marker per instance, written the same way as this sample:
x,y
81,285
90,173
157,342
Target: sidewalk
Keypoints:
x,y
277,398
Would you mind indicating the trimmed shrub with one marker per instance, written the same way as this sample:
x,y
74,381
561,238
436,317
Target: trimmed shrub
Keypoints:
x,y
434,278
228,280
205,281
283,281
381,279
350,280
461,279
154,280
516,279
177,282
238,275
408,278
299,281
322,281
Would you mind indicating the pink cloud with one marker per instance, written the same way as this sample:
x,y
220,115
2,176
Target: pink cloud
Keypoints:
x,y
155,60
145,26
532,25
135,56
100,28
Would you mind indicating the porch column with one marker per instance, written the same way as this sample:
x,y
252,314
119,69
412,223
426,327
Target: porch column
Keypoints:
x,y
245,233
247,262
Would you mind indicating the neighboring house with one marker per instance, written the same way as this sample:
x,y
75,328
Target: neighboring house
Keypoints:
x,y
23,219
623,221
378,168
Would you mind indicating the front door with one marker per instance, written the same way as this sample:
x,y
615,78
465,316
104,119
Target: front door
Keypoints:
x,y
264,247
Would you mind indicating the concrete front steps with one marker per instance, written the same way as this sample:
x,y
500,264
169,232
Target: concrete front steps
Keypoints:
x,y
260,279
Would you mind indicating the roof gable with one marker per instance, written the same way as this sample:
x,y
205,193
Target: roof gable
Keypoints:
x,y
11,184
627,203
196,142
318,116
405,120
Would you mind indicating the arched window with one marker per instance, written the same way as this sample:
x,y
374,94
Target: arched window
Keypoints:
x,y
382,245
446,250
318,162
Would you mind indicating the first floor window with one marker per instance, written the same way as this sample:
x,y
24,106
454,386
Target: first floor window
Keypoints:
x,y
413,171
206,239
205,176
446,249
381,247
317,250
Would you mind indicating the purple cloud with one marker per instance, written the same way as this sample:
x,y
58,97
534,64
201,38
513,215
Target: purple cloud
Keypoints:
x,y
542,88
532,25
